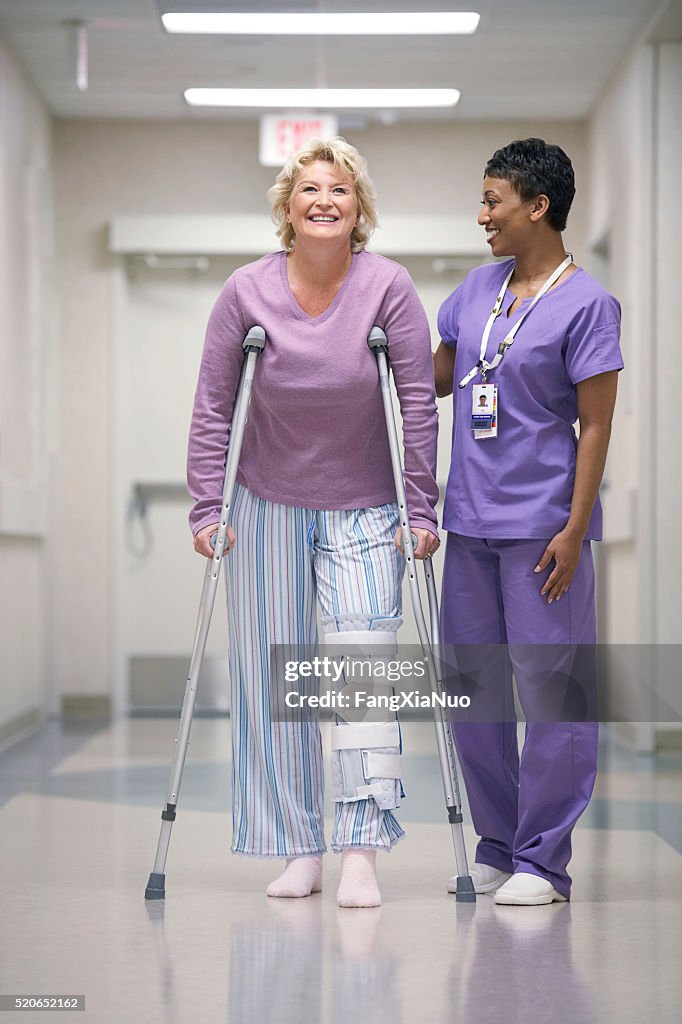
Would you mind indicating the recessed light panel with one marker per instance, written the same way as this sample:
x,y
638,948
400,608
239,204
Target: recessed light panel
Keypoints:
x,y
327,99
322,23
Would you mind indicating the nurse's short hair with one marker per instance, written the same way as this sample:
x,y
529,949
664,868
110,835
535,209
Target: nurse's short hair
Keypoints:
x,y
534,167
345,158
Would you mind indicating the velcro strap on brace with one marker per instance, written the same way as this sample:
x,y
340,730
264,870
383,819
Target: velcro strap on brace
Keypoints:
x,y
365,792
365,736
381,766
369,642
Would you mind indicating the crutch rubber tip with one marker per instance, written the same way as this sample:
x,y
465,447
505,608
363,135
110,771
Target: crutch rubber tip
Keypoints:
x,y
156,887
465,889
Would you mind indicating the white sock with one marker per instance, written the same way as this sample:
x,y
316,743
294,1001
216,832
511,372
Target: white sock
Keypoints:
x,y
301,877
358,886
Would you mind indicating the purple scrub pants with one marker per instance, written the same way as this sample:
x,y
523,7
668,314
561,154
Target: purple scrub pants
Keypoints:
x,y
523,809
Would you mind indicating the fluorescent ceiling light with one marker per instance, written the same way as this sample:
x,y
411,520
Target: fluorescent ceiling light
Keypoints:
x,y
322,23
292,99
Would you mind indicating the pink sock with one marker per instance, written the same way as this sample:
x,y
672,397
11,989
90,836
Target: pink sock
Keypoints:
x,y
301,877
358,886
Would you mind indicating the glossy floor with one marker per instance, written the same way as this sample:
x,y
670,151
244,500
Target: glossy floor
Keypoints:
x,y
79,820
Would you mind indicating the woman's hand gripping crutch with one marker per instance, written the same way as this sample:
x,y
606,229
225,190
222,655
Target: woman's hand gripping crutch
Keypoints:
x,y
253,345
378,343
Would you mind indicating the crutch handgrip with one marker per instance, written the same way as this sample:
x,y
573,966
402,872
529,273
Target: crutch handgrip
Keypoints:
x,y
214,540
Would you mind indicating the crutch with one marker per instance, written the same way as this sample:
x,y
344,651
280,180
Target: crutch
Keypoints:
x,y
252,345
378,343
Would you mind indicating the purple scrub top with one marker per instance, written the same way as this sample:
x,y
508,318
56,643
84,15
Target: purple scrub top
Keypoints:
x,y
520,484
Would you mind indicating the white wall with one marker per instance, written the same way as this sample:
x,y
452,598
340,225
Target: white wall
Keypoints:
x,y
55,597
668,364
104,169
113,168
26,398
620,139
635,148
634,156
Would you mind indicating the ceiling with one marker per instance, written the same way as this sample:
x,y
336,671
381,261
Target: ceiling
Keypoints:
x,y
529,59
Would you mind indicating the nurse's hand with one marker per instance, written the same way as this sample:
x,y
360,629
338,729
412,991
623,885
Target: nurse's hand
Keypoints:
x,y
427,542
565,549
202,541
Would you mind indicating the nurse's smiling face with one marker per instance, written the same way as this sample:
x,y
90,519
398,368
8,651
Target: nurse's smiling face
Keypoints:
x,y
507,218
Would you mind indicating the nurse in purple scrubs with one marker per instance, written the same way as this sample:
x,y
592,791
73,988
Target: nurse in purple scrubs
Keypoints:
x,y
538,337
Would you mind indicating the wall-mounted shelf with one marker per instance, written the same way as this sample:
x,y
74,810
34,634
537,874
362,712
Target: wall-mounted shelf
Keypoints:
x,y
23,509
254,235
166,490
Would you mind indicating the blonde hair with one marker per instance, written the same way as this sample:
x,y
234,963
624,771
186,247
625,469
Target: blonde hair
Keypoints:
x,y
346,159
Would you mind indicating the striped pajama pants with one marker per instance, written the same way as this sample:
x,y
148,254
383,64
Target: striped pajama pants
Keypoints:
x,y
285,559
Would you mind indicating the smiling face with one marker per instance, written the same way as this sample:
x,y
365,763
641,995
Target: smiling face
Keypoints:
x,y
508,219
323,205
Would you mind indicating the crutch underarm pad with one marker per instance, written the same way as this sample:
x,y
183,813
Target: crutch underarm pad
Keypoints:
x,y
255,339
377,338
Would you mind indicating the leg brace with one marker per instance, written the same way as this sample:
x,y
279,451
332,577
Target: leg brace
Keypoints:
x,y
366,756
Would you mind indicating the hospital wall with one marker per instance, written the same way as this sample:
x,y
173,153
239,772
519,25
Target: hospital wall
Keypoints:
x,y
27,402
667,366
58,509
619,227
634,221
108,169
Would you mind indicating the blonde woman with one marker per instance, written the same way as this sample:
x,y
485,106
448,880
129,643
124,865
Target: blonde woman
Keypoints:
x,y
314,515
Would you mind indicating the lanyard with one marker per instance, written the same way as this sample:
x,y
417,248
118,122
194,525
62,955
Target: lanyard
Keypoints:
x,y
483,365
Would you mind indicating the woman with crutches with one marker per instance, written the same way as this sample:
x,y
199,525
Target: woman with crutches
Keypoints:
x,y
538,338
314,511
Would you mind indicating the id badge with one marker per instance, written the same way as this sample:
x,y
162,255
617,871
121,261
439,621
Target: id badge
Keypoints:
x,y
484,410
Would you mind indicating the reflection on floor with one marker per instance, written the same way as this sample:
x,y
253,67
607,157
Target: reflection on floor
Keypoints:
x,y
79,820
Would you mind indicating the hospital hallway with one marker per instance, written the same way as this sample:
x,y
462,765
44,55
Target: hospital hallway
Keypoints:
x,y
79,819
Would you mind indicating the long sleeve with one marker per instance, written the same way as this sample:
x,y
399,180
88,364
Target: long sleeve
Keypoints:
x,y
409,350
213,405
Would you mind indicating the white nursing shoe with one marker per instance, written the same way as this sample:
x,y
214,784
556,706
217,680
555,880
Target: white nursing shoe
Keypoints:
x,y
484,877
526,890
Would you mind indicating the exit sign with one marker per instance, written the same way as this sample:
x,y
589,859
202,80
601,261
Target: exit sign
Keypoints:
x,y
282,134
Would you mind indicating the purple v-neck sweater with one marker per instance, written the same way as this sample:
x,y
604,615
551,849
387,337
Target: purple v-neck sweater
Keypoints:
x,y
316,433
